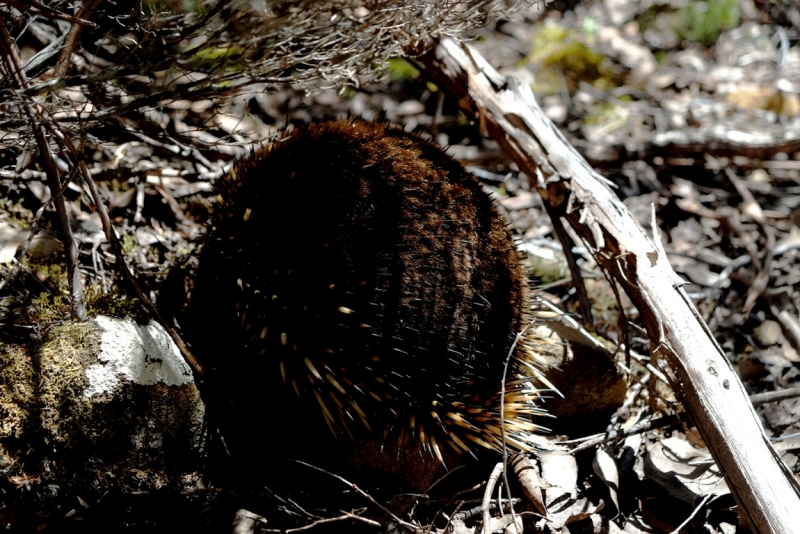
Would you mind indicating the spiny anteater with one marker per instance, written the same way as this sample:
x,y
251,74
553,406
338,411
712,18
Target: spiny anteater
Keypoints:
x,y
358,266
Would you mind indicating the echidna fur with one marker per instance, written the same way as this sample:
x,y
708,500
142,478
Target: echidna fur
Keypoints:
x,y
360,266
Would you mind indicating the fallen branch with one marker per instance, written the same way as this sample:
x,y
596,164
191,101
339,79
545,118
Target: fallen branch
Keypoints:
x,y
701,376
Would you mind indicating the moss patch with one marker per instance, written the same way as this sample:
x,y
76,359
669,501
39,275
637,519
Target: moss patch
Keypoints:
x,y
61,363
57,443
17,391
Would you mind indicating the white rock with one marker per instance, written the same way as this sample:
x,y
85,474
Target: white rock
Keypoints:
x,y
143,355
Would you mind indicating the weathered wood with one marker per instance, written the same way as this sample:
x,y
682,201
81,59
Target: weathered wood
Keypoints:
x,y
703,379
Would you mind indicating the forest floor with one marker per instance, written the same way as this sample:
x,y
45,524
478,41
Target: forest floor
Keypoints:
x,y
691,109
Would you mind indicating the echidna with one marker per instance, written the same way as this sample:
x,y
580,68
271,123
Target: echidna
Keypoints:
x,y
357,267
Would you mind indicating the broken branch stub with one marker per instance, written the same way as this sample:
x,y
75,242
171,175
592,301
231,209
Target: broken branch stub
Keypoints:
x,y
701,375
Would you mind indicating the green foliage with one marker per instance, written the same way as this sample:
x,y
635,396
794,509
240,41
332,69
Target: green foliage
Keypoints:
x,y
401,70
213,58
46,269
558,49
576,61
605,112
152,7
580,64
702,21
699,21
128,244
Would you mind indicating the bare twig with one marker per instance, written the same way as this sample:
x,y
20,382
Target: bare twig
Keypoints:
x,y
693,514
13,66
487,496
774,396
789,323
32,233
616,435
36,8
15,77
503,419
345,516
754,211
447,527
577,279
70,245
73,37
364,494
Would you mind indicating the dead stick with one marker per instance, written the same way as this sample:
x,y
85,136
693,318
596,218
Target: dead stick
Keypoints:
x,y
73,38
18,80
36,8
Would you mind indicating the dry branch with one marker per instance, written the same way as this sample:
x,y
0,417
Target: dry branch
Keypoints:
x,y
15,77
702,377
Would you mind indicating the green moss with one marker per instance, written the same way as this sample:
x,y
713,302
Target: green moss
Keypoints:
x,y
129,244
154,7
568,52
55,443
548,36
649,19
61,380
50,270
17,391
41,392
218,54
699,21
46,308
113,303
